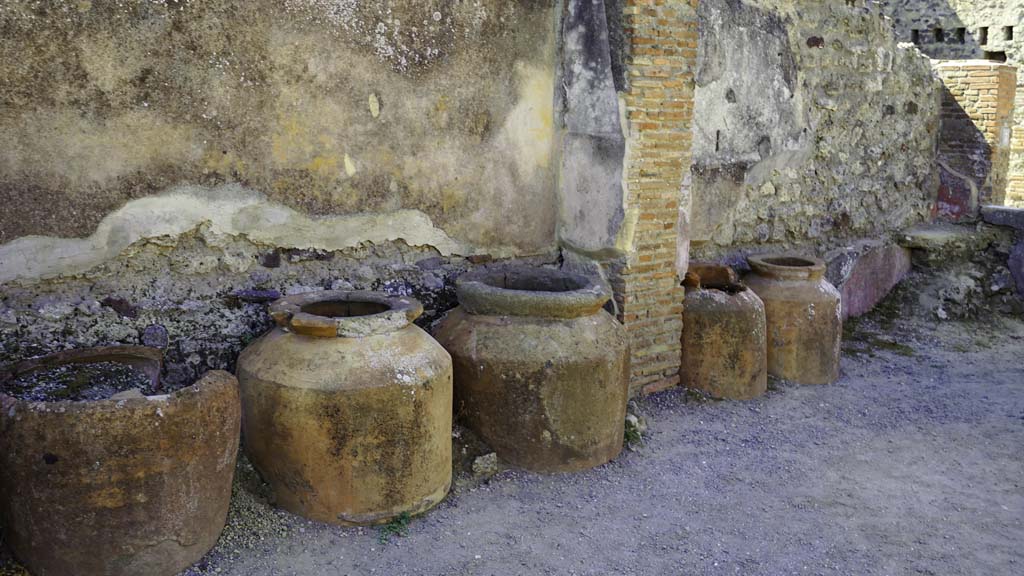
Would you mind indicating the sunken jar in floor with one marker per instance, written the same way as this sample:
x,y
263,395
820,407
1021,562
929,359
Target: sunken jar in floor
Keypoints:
x,y
723,342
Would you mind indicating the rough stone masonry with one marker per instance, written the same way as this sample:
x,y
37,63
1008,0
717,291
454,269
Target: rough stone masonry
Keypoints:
x,y
971,29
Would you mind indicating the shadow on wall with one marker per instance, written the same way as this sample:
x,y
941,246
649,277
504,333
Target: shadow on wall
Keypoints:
x,y
964,162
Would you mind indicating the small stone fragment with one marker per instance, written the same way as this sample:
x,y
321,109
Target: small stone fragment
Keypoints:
x,y
485,466
155,336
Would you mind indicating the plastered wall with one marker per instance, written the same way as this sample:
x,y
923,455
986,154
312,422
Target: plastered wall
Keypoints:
x,y
314,124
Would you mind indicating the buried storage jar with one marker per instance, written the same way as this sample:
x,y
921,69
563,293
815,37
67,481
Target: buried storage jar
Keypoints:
x,y
108,481
541,370
803,317
347,408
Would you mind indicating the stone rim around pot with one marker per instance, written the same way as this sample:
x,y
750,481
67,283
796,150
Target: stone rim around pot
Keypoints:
x,y
344,314
524,291
788,266
143,358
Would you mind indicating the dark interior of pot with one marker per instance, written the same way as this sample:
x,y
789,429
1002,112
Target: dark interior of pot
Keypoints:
x,y
790,261
731,289
535,281
344,308
87,379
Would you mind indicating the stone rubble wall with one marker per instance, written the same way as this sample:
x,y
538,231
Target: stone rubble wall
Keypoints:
x,y
961,22
812,127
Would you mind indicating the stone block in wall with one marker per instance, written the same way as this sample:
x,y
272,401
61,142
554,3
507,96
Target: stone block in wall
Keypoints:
x,y
1004,216
865,273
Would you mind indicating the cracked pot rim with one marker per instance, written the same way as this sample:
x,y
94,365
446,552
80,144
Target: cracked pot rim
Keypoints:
x,y
787,266
344,314
526,291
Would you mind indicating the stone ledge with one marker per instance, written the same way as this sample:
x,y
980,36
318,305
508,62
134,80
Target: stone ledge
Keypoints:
x,y
1003,216
865,272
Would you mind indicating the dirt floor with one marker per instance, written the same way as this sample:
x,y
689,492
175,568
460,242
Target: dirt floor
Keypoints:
x,y
913,463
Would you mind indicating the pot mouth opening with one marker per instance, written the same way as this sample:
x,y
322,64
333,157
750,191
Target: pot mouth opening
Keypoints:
x,y
788,266
344,308
732,288
336,314
525,291
790,261
537,282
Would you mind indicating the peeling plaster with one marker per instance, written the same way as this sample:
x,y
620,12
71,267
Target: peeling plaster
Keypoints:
x,y
229,209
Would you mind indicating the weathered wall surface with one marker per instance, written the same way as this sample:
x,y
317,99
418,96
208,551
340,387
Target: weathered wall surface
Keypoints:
x,y
168,166
412,119
971,29
811,126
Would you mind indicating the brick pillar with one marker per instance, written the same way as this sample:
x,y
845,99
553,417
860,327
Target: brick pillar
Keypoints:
x,y
1015,184
661,52
975,139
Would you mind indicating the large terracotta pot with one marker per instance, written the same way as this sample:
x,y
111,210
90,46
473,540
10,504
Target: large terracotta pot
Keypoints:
x,y
723,342
541,370
347,408
136,486
804,317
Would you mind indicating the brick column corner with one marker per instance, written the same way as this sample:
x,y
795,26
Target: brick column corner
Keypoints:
x,y
661,52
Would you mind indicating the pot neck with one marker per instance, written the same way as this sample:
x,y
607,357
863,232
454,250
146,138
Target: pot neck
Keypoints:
x,y
338,314
788,267
538,292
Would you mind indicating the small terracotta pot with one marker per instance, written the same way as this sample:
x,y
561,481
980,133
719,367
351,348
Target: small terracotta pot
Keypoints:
x,y
137,486
723,342
803,314
348,408
541,370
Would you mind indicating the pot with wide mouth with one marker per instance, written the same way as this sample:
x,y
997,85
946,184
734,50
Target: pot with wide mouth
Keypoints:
x,y
347,408
541,369
96,479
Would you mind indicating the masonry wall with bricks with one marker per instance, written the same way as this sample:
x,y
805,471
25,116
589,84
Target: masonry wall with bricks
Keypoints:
x,y
971,29
661,52
975,140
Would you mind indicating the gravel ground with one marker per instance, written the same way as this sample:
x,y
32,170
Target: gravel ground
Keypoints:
x,y
912,463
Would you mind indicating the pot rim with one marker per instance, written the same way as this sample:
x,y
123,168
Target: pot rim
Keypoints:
x,y
289,313
557,293
145,358
788,266
730,288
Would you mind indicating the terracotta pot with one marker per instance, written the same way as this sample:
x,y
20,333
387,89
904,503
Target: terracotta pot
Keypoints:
x,y
137,486
804,317
541,370
347,408
723,342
